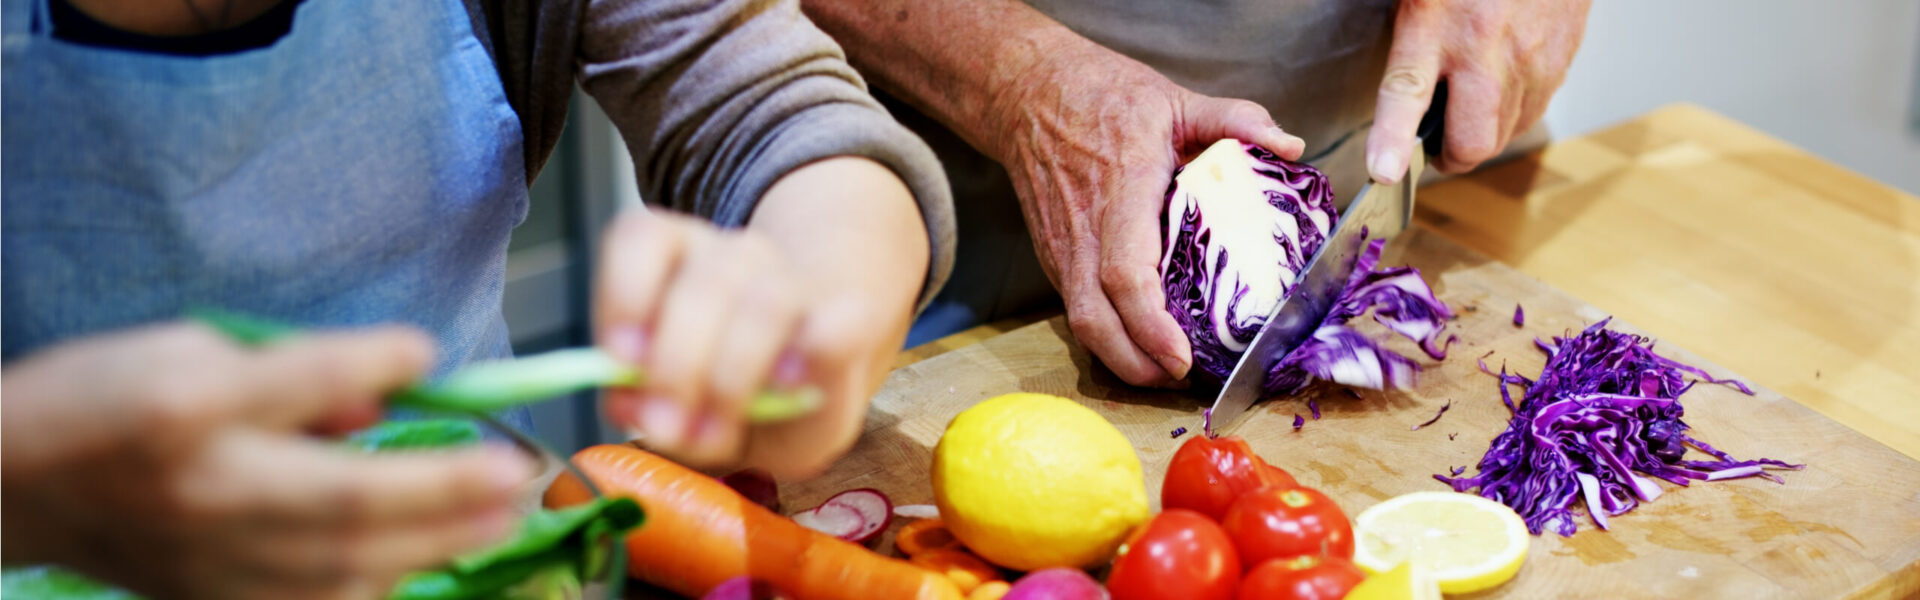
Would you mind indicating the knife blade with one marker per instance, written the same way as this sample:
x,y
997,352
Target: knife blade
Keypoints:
x,y
1376,211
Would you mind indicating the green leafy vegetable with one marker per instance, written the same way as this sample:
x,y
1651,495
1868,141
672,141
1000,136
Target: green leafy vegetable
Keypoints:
x,y
53,583
496,385
412,435
548,542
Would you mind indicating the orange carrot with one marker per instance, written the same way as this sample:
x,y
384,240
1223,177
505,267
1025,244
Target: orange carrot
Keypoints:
x,y
922,535
699,533
965,569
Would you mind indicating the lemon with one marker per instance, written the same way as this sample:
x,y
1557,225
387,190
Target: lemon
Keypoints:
x,y
1404,582
1465,542
1031,481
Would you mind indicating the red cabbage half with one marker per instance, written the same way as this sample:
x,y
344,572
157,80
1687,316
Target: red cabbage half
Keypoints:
x,y
1240,225
1605,408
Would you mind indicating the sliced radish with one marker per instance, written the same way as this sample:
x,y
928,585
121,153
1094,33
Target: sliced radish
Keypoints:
x,y
856,516
757,486
917,511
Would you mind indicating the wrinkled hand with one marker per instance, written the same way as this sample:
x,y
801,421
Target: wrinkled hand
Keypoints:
x,y
1091,147
800,298
1502,61
172,462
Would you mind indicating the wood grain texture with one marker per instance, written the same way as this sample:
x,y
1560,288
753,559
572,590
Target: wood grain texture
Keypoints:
x,y
1848,524
1779,265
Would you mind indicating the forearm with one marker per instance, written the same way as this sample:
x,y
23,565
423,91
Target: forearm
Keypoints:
x,y
848,224
964,62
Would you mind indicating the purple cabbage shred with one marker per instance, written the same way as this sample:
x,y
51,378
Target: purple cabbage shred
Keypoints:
x,y
1600,425
1519,316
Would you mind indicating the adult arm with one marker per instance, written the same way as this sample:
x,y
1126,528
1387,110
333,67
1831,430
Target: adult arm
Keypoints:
x,y
1090,139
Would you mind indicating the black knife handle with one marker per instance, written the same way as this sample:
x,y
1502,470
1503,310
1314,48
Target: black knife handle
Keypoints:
x,y
1432,131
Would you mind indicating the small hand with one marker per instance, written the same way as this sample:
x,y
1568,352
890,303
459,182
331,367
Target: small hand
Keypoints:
x,y
816,293
1502,61
1091,147
172,462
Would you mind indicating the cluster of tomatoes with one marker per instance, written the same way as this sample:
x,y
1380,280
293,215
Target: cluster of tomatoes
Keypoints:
x,y
1232,527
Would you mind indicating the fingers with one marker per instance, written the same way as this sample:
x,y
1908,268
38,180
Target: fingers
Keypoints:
x,y
766,311
320,377
351,558
639,253
1475,121
257,477
1093,320
1413,68
1206,120
842,360
1130,274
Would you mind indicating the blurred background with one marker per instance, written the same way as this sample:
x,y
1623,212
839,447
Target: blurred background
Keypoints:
x,y
1840,79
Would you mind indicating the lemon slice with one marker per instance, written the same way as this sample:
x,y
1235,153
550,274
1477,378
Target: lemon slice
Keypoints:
x,y
1404,582
1465,542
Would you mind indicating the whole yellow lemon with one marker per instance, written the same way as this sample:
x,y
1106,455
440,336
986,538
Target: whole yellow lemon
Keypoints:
x,y
1030,481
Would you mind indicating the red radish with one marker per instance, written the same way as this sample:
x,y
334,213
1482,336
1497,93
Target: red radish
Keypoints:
x,y
856,516
744,588
1058,583
755,485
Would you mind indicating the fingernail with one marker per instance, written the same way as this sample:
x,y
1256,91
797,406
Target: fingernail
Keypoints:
x,y
1387,166
1175,367
1291,138
663,421
626,342
789,371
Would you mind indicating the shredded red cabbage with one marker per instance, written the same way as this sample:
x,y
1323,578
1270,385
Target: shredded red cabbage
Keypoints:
x,y
1298,422
1399,299
1436,416
1179,431
1519,315
1605,407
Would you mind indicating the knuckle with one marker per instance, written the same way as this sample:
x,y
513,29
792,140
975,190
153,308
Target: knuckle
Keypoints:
x,y
1405,81
1248,110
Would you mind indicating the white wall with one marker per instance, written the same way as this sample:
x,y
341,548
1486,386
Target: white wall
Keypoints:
x,y
1836,77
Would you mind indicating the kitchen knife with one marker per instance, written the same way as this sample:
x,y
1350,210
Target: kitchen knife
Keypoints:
x,y
1377,211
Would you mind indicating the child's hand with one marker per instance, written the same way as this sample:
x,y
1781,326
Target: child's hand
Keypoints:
x,y
172,462
817,292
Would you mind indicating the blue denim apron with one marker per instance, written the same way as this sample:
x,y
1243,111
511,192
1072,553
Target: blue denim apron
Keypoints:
x,y
365,168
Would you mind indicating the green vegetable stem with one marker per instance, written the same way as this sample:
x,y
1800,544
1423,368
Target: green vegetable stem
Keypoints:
x,y
495,385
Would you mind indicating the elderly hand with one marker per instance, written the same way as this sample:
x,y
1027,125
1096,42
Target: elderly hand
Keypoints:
x,y
1091,143
1502,61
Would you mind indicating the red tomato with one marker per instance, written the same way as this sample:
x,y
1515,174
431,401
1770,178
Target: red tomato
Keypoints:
x,y
1207,474
1178,555
1301,578
1284,523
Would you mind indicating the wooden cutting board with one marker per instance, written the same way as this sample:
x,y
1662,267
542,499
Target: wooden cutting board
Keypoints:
x,y
1847,526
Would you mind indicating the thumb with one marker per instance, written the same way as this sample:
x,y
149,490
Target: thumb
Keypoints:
x,y
1206,119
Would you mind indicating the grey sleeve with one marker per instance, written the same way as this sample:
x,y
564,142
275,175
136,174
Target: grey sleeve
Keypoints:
x,y
718,99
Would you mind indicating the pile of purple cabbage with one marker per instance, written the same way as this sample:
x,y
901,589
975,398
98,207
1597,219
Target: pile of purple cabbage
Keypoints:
x,y
1605,409
1239,227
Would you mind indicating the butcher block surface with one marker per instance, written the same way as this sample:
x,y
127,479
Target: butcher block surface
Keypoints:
x,y
1846,526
